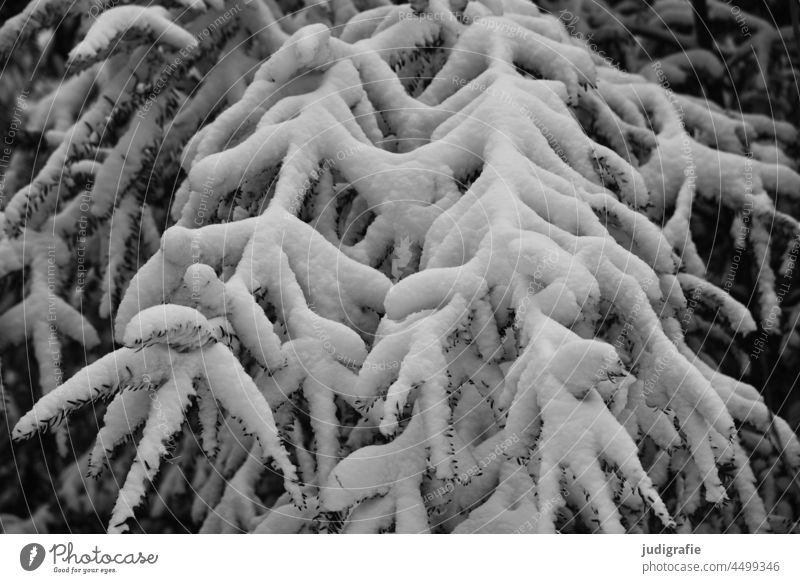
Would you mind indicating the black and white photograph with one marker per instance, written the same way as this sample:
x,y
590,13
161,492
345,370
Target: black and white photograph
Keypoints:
x,y
494,267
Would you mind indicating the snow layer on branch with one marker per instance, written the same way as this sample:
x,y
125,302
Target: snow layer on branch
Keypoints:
x,y
439,239
180,327
164,421
113,24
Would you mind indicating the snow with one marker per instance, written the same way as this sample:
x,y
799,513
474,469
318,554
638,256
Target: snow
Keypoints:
x,y
112,23
164,420
180,327
124,414
496,341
